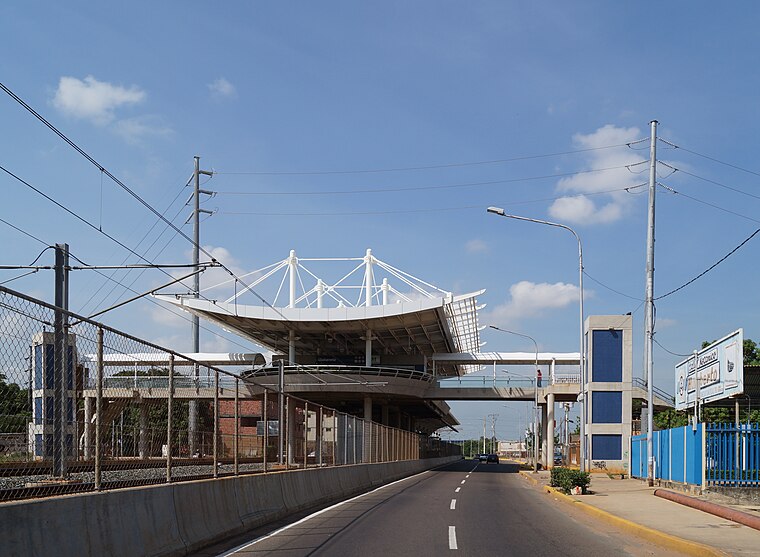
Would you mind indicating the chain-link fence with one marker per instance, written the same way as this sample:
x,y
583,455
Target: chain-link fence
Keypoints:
x,y
86,407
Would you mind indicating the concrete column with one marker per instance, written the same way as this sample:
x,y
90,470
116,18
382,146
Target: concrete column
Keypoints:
x,y
368,348
384,414
544,442
550,430
143,430
368,408
87,428
291,347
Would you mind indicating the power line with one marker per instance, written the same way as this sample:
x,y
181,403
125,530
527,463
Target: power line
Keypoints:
x,y
431,210
427,167
711,267
707,203
708,180
713,159
669,351
424,188
612,289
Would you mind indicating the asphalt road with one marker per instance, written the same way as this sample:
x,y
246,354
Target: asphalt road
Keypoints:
x,y
465,508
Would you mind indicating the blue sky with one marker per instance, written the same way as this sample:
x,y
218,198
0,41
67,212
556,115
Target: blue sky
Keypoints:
x,y
290,87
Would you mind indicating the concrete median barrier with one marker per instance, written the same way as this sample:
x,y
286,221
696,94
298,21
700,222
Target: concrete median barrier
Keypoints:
x,y
175,519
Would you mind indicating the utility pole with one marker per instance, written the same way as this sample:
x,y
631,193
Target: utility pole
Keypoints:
x,y
61,366
195,323
649,300
484,435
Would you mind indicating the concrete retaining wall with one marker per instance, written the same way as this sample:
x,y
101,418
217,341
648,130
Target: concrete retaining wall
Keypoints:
x,y
175,519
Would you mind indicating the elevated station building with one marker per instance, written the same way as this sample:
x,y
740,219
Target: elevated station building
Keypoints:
x,y
362,344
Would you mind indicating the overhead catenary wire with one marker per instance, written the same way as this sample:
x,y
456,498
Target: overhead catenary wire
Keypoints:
x,y
710,181
122,185
427,167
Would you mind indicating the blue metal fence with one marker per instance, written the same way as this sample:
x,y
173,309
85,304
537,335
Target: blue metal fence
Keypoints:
x,y
677,455
732,455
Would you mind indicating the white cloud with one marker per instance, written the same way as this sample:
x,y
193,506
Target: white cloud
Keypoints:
x,y
476,246
530,299
135,129
94,100
579,208
221,88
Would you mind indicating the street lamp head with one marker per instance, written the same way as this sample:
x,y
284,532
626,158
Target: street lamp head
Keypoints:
x,y
496,211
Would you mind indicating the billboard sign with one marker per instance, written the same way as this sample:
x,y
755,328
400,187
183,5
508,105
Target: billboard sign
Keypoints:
x,y
713,373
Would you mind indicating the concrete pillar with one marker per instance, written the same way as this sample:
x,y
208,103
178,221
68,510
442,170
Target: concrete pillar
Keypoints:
x,y
143,447
291,347
88,428
550,430
384,414
545,431
368,408
368,348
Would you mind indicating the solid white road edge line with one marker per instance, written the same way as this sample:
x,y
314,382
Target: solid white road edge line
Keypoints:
x,y
453,505
304,519
453,537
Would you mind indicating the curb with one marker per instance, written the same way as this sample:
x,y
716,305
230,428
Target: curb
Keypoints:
x,y
655,536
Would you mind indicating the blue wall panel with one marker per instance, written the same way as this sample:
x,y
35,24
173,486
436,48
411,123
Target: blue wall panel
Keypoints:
x,y
607,357
606,407
606,447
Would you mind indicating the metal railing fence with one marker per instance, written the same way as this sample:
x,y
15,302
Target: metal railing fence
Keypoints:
x,y
72,422
732,455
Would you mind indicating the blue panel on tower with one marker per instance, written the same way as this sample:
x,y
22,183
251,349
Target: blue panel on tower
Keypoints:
x,y
38,367
607,356
606,447
606,407
49,366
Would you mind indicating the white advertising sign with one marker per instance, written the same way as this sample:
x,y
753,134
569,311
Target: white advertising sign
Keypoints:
x,y
713,373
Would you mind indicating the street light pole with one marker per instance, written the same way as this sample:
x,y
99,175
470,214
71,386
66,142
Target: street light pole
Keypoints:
x,y
535,394
582,354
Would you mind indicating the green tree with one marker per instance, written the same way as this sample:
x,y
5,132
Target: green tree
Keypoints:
x,y
15,412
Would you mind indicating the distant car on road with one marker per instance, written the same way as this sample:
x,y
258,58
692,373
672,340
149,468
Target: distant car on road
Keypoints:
x,y
492,458
484,458
476,457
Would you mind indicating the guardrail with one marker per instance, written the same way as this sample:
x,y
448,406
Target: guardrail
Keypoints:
x,y
484,381
335,370
639,382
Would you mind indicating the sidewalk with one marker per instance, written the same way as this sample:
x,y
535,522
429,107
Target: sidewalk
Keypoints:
x,y
631,505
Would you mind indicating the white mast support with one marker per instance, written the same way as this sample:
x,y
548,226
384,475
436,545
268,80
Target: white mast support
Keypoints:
x,y
394,270
385,287
320,292
368,279
277,267
293,267
399,294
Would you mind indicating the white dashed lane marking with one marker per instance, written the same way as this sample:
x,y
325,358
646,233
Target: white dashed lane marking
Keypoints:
x,y
453,537
457,490
453,505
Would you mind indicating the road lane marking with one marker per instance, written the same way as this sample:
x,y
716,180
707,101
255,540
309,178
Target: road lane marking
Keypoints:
x,y
467,476
453,537
457,490
464,481
453,505
304,519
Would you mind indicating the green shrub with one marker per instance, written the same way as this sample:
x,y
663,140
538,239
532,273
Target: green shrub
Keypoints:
x,y
565,479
